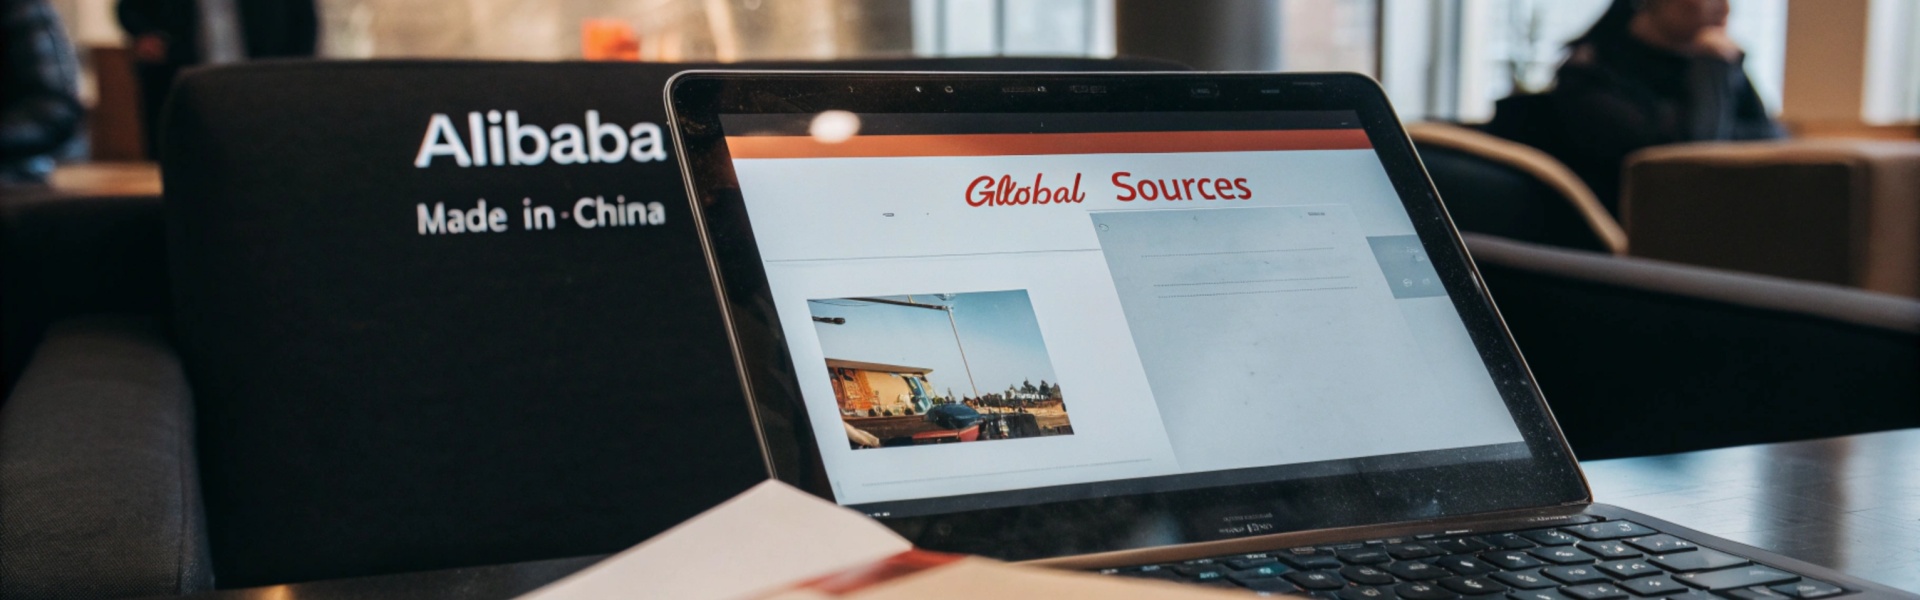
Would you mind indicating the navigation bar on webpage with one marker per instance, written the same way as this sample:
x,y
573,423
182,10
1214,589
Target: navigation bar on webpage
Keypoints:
x,y
1031,144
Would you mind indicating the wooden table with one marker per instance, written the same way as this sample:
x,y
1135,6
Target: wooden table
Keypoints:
x,y
95,180
1852,503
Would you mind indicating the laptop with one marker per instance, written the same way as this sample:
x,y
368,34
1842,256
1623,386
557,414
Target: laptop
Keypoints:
x,y
1205,328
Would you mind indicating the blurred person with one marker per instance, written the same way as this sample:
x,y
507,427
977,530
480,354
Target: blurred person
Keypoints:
x,y
1649,72
41,111
166,36
279,28
163,38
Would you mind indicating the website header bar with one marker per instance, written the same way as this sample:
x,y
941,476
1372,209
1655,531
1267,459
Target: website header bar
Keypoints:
x,y
1033,144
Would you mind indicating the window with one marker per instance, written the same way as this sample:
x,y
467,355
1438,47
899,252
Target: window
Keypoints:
x,y
655,30
1892,93
725,30
1328,35
1013,27
1452,59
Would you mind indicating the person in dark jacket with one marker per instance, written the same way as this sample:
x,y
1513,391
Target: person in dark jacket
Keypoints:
x,y
163,38
40,110
1649,72
166,36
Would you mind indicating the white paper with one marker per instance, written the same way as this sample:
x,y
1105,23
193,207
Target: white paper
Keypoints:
x,y
766,538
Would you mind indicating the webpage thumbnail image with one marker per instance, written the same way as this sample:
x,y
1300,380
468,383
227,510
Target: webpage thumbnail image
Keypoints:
x,y
921,369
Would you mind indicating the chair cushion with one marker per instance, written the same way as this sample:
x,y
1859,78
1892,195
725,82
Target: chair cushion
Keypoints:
x,y
392,378
98,494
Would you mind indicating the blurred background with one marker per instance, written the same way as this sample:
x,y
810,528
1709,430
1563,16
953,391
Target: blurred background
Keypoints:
x,y
1700,220
1447,60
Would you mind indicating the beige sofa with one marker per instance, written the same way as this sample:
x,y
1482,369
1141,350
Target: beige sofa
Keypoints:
x,y
1835,211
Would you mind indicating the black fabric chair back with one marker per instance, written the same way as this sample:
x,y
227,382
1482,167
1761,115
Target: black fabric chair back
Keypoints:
x,y
408,348
1640,357
1502,188
1487,197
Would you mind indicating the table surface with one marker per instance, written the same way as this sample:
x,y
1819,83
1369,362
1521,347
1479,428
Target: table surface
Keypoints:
x,y
1852,503
95,180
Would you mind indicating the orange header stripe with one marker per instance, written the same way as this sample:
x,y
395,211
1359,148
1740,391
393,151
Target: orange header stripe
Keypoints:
x,y
1017,144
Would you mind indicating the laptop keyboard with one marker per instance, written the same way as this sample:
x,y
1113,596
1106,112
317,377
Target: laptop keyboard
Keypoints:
x,y
1598,560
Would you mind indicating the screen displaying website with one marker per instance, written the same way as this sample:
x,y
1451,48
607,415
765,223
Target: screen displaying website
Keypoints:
x,y
988,303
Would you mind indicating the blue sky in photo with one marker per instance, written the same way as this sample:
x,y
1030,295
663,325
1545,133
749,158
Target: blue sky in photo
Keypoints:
x,y
1002,339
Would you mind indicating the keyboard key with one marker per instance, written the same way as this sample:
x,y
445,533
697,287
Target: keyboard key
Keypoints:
x,y
1316,580
1365,575
1462,545
1209,577
1549,537
1473,586
1271,585
1309,562
1662,544
1610,530
1628,569
1737,577
1266,583
1562,555
1423,591
1417,571
1657,585
1699,560
1755,593
1511,560
1365,556
1508,541
1266,571
1201,572
1465,565
1248,561
1594,591
1535,595
1809,589
1411,551
1151,571
1367,593
1609,550
1575,574
1526,580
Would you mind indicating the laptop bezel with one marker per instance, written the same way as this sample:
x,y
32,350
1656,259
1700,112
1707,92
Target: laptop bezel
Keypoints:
x,y
695,101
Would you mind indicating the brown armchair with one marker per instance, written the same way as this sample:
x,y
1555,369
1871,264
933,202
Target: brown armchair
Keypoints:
x,y
1835,211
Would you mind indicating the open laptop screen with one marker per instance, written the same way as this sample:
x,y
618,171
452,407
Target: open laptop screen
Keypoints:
x,y
1000,309
1034,315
